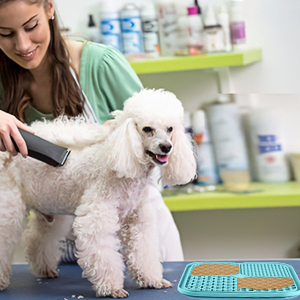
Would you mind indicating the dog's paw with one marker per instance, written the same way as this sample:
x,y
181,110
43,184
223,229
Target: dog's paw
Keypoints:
x,y
163,283
121,293
108,291
166,284
4,282
46,273
5,273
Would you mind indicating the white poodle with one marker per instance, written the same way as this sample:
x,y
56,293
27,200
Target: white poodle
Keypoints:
x,y
104,184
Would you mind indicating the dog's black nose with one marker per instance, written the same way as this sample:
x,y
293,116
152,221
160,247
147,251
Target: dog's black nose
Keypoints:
x,y
165,148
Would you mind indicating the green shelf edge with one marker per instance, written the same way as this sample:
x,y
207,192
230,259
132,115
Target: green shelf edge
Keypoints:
x,y
197,62
271,195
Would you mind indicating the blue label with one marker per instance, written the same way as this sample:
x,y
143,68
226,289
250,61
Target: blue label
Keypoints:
x,y
269,143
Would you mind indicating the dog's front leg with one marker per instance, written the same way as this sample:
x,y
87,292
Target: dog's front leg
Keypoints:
x,y
12,223
141,248
95,227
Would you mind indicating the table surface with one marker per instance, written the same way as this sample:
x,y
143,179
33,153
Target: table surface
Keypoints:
x,y
70,284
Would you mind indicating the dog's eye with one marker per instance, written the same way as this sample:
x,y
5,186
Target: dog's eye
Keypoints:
x,y
170,129
147,129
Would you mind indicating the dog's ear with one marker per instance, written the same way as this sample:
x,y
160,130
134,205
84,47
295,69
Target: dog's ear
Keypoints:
x,y
126,150
181,167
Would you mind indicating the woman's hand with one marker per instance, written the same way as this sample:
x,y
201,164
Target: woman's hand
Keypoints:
x,y
9,129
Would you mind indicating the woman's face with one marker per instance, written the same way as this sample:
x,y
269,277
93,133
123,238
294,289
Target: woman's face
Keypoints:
x,y
25,32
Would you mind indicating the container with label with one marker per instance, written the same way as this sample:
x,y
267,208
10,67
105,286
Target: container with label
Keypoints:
x,y
206,167
150,30
131,26
168,27
237,24
111,29
268,146
227,135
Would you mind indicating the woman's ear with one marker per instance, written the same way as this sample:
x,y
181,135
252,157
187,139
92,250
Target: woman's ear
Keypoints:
x,y
50,10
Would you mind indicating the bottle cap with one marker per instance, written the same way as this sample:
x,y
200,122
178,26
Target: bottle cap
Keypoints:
x,y
210,18
223,8
192,10
91,21
198,7
198,121
187,119
222,98
148,10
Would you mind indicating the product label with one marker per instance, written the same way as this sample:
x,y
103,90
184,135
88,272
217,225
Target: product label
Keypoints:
x,y
268,143
238,35
150,26
228,137
111,33
132,35
271,162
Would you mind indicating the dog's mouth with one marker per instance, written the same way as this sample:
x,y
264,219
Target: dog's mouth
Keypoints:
x,y
158,158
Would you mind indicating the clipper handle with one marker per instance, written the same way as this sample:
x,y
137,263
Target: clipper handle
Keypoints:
x,y
43,150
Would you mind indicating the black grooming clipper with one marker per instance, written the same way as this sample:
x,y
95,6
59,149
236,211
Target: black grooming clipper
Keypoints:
x,y
43,150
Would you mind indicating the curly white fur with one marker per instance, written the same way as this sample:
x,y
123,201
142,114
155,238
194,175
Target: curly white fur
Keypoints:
x,y
104,184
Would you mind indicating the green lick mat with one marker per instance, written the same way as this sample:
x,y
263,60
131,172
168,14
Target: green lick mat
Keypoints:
x,y
239,280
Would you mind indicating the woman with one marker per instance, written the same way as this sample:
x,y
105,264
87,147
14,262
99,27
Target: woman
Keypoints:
x,y
43,76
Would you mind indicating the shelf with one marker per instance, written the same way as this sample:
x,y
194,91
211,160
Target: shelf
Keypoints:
x,y
197,62
270,195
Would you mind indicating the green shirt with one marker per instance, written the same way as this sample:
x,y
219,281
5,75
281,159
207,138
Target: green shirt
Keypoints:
x,y
106,79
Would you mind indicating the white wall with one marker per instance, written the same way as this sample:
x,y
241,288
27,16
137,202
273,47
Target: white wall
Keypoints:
x,y
274,26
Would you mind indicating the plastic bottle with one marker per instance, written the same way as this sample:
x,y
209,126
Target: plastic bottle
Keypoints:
x,y
237,24
110,26
93,31
187,123
131,26
182,33
150,30
213,34
195,27
206,167
268,146
227,135
168,28
223,20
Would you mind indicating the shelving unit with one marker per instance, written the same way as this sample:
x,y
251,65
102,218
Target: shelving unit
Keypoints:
x,y
267,195
197,62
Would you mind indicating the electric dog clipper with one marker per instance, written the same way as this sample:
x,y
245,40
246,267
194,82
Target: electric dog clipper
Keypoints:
x,y
43,150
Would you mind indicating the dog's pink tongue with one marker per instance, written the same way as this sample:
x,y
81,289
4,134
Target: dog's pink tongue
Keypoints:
x,y
162,158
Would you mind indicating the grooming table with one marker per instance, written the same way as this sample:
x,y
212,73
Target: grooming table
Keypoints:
x,y
70,285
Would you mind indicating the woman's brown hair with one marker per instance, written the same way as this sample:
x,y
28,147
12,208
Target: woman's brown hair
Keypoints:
x,y
66,95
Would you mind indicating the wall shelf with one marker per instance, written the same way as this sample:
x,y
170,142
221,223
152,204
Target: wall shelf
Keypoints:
x,y
198,62
270,195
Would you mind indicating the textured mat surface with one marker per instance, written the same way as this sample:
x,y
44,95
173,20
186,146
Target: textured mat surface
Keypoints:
x,y
70,285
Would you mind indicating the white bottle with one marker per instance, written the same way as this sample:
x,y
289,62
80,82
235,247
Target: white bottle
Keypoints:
x,y
131,26
195,27
150,30
206,167
223,20
93,31
237,24
168,28
110,26
213,34
227,135
268,146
